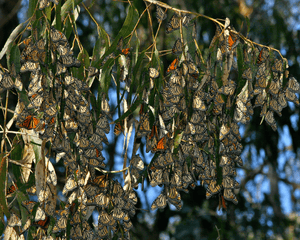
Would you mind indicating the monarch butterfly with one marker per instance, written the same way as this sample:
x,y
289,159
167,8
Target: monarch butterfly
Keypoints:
x,y
104,218
173,24
264,110
70,61
270,120
64,50
186,20
291,96
124,51
193,70
101,200
229,196
232,42
277,66
118,214
222,203
43,4
105,105
29,66
275,106
170,113
161,145
103,124
173,65
76,232
165,177
212,189
228,89
153,73
156,177
119,202
227,171
274,88
177,48
144,125
261,81
39,215
282,100
247,74
102,232
218,100
198,104
57,36
293,85
239,161
153,132
160,14
118,129
262,56
127,225
61,224
260,99
224,131
14,220
18,84
36,101
92,71
117,190
43,223
75,218
175,90
173,195
11,189
60,69
137,162
30,122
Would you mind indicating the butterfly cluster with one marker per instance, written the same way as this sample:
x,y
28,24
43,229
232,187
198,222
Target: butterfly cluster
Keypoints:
x,y
58,110
189,119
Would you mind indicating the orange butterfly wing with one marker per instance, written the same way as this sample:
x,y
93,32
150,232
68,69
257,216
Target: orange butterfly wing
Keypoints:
x,y
118,129
30,122
173,65
97,152
161,145
153,131
34,122
231,41
125,51
43,223
11,189
259,59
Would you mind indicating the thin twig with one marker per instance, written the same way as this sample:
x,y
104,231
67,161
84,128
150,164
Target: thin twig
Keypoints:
x,y
118,171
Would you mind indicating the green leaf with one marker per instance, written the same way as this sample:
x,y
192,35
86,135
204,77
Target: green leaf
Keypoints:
x,y
22,197
31,8
84,58
106,74
248,25
240,62
15,57
133,107
11,38
126,30
57,16
67,8
98,52
3,208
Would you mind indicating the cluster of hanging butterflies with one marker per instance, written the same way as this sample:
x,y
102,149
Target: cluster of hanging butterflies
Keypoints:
x,y
212,101
75,140
192,128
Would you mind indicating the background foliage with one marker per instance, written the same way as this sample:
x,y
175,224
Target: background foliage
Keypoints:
x,y
268,178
